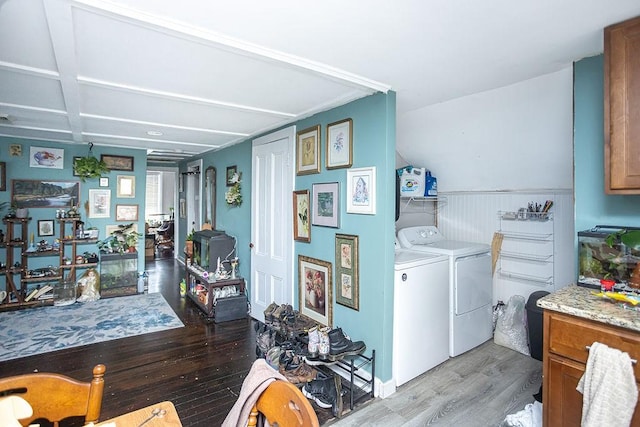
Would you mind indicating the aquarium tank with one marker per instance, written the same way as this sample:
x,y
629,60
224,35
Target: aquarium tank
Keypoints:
x,y
608,252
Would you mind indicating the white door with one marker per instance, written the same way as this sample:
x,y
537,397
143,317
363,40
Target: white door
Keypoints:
x,y
271,225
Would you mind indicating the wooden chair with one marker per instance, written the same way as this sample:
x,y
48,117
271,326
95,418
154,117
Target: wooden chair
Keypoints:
x,y
283,404
56,397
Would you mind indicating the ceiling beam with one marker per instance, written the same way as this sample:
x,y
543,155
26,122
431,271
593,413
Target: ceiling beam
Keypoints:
x,y
60,21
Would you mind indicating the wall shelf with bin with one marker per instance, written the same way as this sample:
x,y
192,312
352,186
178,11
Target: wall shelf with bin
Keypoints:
x,y
526,255
422,201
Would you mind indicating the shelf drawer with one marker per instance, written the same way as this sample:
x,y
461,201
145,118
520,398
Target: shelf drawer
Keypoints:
x,y
569,336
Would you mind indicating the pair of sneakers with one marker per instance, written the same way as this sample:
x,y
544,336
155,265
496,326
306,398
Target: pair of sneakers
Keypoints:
x,y
319,345
332,345
326,392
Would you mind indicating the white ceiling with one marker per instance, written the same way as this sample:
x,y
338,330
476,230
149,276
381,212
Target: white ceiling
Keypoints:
x,y
210,73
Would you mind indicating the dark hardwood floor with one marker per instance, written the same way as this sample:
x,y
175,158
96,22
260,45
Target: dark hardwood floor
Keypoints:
x,y
200,367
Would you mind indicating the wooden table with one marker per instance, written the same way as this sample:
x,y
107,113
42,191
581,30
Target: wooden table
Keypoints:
x,y
134,418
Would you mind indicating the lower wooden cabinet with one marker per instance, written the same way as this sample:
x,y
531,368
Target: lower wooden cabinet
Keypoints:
x,y
564,361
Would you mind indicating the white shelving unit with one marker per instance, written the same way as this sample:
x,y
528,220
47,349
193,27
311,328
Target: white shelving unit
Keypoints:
x,y
526,257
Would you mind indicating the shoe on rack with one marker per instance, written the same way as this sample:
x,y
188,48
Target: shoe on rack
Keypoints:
x,y
324,345
265,340
273,357
275,324
268,313
293,368
314,342
341,345
327,393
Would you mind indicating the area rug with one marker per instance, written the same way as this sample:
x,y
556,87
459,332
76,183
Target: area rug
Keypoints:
x,y
44,329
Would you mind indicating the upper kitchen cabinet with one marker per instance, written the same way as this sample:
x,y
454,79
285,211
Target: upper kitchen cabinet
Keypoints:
x,y
622,107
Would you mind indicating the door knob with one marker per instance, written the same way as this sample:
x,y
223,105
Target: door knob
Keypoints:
x,y
250,245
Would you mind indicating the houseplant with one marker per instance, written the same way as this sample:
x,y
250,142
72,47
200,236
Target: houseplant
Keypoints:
x,y
124,239
89,167
188,244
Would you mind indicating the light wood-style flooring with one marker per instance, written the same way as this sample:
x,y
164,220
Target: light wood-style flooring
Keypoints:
x,y
478,388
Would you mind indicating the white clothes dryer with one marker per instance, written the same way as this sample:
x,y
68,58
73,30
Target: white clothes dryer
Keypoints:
x,y
420,313
470,284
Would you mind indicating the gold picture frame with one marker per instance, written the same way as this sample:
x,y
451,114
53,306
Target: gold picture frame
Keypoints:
x,y
347,271
118,163
315,289
308,151
339,144
126,186
301,220
126,212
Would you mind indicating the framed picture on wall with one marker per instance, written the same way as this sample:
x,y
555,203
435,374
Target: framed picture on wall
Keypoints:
x,y
45,227
99,203
340,144
126,186
361,191
308,151
315,289
326,205
301,227
347,265
118,163
126,212
26,193
45,157
231,171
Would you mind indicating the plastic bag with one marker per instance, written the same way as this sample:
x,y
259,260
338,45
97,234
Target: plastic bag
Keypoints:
x,y
511,331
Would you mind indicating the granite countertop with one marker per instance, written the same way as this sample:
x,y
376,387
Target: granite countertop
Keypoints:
x,y
581,302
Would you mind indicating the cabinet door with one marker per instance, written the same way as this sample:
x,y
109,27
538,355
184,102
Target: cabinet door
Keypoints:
x,y
622,107
563,406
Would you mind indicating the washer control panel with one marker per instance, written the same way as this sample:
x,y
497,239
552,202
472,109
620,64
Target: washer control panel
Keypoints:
x,y
419,235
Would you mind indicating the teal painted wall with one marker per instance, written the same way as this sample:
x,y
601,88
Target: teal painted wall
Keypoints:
x,y
374,131
593,206
235,221
18,168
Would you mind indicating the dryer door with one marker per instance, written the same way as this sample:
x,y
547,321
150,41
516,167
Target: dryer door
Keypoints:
x,y
473,283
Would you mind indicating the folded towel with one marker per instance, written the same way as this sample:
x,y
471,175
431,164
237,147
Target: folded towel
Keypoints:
x,y
609,388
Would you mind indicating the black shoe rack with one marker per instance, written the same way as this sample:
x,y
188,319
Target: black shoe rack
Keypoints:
x,y
352,366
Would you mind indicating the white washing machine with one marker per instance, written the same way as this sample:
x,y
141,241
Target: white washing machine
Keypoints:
x,y
470,283
420,313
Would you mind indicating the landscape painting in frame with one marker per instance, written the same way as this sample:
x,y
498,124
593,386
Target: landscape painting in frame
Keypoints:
x,y
27,193
315,289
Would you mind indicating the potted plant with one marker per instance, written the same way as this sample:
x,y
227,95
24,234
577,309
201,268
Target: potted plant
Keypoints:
x,y
89,167
124,239
188,244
